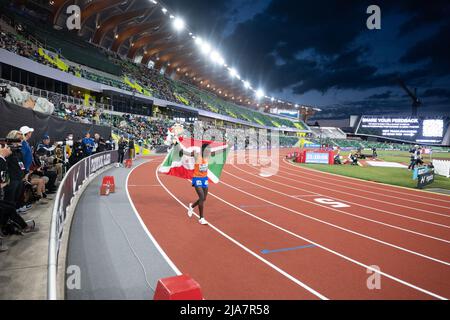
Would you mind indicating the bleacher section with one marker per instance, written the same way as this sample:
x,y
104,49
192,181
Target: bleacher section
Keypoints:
x,y
328,132
66,52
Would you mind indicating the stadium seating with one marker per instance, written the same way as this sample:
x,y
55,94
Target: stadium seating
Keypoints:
x,y
95,64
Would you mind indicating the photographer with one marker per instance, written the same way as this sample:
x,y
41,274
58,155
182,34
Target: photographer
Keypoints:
x,y
16,169
10,221
122,146
45,158
4,153
100,144
77,152
412,153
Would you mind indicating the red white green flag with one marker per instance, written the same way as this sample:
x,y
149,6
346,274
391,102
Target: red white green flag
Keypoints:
x,y
179,164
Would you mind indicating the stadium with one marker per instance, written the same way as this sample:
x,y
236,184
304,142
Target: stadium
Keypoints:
x,y
139,163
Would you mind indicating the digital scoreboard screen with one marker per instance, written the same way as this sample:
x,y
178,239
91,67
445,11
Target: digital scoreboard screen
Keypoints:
x,y
414,129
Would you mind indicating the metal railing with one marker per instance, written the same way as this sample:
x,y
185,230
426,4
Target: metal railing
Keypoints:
x,y
63,98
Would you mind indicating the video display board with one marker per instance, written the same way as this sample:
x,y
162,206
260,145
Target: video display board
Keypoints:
x,y
412,129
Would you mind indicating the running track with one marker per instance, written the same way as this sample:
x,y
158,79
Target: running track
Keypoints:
x,y
316,251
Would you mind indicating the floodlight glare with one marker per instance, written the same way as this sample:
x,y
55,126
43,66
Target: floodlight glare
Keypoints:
x,y
233,73
206,48
198,41
246,84
178,24
217,58
259,93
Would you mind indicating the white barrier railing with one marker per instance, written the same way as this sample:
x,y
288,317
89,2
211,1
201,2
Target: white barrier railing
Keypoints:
x,y
442,167
77,177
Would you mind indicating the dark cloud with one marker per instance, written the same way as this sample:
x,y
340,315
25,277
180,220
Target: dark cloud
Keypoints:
x,y
435,50
302,46
423,14
328,29
437,93
381,96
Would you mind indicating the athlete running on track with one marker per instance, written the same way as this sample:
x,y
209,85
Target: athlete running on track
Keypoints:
x,y
200,182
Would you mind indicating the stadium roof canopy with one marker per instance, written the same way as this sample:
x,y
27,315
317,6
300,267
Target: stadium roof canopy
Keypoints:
x,y
147,29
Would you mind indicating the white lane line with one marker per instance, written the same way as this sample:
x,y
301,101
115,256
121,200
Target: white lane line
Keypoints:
x,y
362,183
339,227
363,197
155,243
355,204
271,265
366,267
308,175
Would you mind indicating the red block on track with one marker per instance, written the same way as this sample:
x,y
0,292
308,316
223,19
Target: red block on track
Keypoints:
x,y
128,163
178,288
109,180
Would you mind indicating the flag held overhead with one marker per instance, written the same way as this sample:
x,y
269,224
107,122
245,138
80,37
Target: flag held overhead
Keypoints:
x,y
180,161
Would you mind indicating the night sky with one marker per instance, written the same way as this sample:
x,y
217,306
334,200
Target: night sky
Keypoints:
x,y
321,53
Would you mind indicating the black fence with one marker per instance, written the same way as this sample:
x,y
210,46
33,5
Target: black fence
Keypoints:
x,y
13,117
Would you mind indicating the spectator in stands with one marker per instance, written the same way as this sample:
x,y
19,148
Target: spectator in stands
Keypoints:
x,y
88,144
27,154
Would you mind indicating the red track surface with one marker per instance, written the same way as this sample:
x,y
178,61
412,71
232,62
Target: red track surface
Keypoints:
x,y
406,233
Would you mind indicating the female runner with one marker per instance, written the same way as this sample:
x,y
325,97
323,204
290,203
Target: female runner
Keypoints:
x,y
200,182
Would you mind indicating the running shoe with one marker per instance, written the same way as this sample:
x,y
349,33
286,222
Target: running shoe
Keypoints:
x,y
190,210
203,221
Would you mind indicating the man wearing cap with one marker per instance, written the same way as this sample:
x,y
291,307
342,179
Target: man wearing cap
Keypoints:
x,y
45,146
27,154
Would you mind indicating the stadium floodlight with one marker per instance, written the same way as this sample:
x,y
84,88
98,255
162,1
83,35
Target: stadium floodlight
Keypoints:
x,y
272,99
246,84
233,73
178,24
259,93
153,1
217,58
206,48
164,10
198,41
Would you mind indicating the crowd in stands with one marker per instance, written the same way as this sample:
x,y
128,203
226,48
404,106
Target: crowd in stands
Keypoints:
x,y
139,78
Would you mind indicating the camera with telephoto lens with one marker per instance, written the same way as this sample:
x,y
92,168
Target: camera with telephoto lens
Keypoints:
x,y
13,144
3,90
